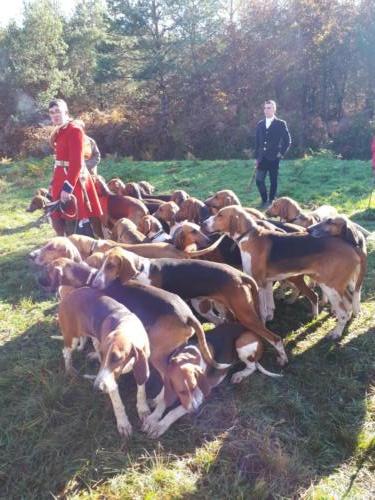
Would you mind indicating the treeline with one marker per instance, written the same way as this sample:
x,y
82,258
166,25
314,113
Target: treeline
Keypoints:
x,y
160,79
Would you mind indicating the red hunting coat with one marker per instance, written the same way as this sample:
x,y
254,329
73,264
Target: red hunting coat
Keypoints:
x,y
71,175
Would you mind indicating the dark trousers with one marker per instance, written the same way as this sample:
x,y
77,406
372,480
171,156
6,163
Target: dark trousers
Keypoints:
x,y
67,227
267,166
75,227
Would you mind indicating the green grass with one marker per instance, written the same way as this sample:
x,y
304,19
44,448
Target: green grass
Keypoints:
x,y
308,435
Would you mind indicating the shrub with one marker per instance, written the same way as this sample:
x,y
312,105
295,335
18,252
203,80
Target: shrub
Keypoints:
x,y
353,138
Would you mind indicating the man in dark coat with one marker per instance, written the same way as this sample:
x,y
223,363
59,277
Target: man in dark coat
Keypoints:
x,y
272,142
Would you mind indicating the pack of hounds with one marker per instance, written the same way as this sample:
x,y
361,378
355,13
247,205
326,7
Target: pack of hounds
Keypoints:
x,y
165,256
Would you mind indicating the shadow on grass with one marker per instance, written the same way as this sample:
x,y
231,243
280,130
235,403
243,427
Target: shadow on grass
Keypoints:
x,y
57,433
365,215
283,435
20,229
18,278
273,436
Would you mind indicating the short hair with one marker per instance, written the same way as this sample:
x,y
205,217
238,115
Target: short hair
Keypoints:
x,y
59,103
270,101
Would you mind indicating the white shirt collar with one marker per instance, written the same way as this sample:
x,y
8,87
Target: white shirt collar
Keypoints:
x,y
269,121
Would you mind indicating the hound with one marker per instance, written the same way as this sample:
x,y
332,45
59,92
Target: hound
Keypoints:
x,y
267,256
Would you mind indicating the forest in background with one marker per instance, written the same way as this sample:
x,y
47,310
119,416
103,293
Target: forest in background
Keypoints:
x,y
173,79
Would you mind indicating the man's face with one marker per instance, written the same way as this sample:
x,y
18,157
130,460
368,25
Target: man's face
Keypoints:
x,y
58,115
269,110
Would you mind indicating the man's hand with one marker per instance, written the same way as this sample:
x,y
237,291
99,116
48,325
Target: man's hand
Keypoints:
x,y
256,164
64,196
279,156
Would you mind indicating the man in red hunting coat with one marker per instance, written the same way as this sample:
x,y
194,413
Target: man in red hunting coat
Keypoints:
x,y
71,182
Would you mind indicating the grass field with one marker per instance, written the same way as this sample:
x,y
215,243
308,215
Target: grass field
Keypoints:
x,y
307,435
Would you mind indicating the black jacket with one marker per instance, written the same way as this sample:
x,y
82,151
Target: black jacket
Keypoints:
x,y
272,141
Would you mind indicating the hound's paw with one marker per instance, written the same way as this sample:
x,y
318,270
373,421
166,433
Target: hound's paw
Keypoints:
x,y
156,431
125,429
237,378
334,335
143,413
148,424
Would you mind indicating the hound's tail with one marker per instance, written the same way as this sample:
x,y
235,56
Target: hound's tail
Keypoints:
x,y
204,251
266,372
194,323
248,280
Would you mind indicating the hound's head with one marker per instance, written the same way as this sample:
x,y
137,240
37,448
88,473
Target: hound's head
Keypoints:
x,y
232,221
187,377
116,185
146,187
95,260
149,225
65,272
221,199
125,231
285,208
179,196
187,234
119,355
57,247
303,220
132,189
37,203
43,192
191,210
167,212
118,263
337,226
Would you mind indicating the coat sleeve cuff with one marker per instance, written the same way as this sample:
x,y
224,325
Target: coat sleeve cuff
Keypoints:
x,y
67,187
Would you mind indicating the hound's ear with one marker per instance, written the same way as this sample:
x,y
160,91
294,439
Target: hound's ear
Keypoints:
x,y
73,253
57,275
114,233
233,225
149,187
203,383
227,201
141,368
137,191
132,189
196,213
170,395
284,210
350,234
145,226
179,239
191,211
127,270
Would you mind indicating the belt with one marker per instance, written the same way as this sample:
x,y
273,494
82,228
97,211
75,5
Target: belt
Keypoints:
x,y
65,163
61,163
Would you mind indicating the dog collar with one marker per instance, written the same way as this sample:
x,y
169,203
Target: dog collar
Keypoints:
x,y
90,277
